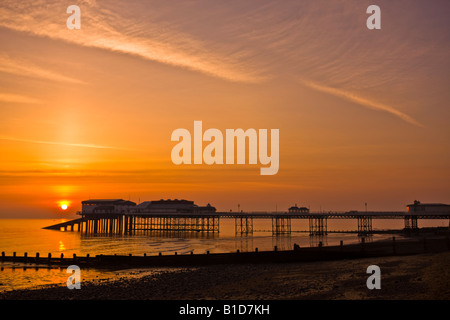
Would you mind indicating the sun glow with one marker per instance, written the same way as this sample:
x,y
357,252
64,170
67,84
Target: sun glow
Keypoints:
x,y
64,205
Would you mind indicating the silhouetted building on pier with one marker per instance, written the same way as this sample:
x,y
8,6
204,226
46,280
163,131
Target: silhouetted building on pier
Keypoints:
x,y
296,209
172,206
101,206
427,208
119,206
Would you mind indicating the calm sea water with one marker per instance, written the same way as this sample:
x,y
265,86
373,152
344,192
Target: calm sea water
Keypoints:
x,y
27,235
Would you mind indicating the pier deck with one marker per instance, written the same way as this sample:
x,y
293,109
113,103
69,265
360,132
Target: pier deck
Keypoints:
x,y
130,222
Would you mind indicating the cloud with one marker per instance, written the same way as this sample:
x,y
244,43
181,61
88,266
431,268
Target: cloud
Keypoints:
x,y
81,145
255,41
361,101
328,46
6,97
105,29
26,68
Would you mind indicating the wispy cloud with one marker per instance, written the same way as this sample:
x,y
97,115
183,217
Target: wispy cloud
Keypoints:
x,y
7,97
361,101
26,68
105,29
81,145
259,40
336,54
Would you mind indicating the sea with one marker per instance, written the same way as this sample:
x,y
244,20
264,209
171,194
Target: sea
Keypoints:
x,y
28,235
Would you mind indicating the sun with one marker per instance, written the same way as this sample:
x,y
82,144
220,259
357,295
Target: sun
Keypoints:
x,y
64,205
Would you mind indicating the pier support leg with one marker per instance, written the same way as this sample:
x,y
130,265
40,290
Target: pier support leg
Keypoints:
x,y
411,223
364,225
243,225
281,225
318,225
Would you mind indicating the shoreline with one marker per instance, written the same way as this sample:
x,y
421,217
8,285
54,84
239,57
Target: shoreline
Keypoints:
x,y
393,247
413,274
417,277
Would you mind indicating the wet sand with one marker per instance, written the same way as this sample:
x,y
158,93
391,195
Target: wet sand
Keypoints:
x,y
419,277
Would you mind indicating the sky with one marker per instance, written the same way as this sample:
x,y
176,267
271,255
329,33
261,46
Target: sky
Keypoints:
x,y
88,114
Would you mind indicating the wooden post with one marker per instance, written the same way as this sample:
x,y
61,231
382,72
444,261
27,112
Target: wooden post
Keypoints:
x,y
14,256
49,257
37,257
394,246
25,257
130,225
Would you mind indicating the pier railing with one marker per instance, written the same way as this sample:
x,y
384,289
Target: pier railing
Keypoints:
x,y
129,222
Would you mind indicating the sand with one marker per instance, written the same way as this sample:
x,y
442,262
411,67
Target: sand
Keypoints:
x,y
418,277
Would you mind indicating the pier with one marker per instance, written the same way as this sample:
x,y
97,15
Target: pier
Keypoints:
x,y
131,223
281,221
118,216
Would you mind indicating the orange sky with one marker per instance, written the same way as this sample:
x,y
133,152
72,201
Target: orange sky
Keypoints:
x,y
363,115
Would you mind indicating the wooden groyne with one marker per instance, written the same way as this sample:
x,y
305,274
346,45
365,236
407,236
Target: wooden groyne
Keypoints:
x,y
307,254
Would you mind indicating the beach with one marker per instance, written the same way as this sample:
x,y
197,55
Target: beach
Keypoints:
x,y
417,277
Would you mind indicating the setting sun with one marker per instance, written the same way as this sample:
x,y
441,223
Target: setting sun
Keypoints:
x,y
64,206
